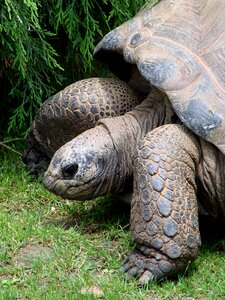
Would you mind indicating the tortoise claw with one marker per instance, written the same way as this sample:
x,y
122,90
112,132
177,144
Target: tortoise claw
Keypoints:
x,y
133,272
145,278
148,267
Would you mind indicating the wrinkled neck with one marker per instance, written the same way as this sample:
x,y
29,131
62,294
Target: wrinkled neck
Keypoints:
x,y
211,181
126,132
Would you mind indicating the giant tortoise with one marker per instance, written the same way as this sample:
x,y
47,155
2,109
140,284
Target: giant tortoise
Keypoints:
x,y
178,47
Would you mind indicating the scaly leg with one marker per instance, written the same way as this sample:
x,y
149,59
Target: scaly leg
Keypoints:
x,y
164,212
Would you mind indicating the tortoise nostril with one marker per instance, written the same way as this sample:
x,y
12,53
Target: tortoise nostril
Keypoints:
x,y
69,171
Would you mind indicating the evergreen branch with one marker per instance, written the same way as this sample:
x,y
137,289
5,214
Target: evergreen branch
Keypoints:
x,y
11,149
40,40
12,140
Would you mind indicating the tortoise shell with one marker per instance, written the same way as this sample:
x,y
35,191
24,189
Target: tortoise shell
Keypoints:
x,y
178,46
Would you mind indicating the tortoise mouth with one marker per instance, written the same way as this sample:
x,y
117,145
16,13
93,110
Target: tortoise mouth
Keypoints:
x,y
67,189
123,70
115,62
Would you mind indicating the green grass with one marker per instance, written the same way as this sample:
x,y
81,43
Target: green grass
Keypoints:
x,y
88,241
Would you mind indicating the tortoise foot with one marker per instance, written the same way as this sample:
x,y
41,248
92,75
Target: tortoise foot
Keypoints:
x,y
148,267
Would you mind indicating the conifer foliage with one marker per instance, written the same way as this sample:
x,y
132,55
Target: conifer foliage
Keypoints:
x,y
46,45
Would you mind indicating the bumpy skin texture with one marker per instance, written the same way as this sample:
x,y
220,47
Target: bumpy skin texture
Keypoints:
x,y
99,161
164,210
72,111
177,46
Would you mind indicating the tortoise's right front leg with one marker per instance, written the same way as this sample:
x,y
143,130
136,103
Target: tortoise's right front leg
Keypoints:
x,y
164,212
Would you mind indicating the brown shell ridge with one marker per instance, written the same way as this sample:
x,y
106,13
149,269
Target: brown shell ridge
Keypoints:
x,y
204,21
186,25
204,112
221,37
198,59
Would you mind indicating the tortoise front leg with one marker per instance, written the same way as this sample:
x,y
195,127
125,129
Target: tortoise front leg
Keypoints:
x,y
164,212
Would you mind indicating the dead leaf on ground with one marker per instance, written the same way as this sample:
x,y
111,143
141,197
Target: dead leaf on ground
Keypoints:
x,y
92,290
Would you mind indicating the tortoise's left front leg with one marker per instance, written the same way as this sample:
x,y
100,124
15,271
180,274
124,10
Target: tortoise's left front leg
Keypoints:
x,y
164,212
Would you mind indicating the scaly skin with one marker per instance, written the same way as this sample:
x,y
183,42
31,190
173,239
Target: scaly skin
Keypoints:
x,y
169,163
99,161
164,213
72,111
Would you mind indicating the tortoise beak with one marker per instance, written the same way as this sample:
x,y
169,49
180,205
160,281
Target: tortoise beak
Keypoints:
x,y
115,40
110,51
112,41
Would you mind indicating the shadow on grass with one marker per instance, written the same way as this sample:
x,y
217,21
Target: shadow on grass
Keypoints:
x,y
103,214
96,215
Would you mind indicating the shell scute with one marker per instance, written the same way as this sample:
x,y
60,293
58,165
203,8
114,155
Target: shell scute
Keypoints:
x,y
183,55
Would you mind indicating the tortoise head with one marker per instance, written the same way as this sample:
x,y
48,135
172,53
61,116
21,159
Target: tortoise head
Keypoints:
x,y
81,169
167,46
134,51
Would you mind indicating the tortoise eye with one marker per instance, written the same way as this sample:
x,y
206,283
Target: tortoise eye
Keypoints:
x,y
69,171
136,39
139,37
